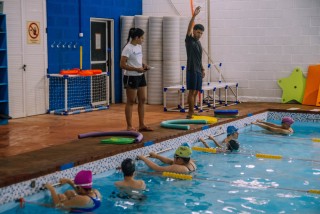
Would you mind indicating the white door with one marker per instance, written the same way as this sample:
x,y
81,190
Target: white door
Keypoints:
x,y
27,56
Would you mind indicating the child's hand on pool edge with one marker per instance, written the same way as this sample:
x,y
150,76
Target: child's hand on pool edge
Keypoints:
x,y
48,186
64,180
140,157
211,137
153,155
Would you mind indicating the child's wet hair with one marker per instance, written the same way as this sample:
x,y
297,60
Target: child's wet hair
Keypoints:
x,y
233,145
128,167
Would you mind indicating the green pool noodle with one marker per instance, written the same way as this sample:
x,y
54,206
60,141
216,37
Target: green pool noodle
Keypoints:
x,y
179,124
118,140
293,86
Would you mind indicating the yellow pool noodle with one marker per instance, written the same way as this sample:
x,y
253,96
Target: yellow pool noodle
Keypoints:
x,y
317,140
315,191
259,155
202,149
177,175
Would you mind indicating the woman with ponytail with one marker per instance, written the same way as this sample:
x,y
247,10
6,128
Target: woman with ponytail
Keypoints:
x,y
134,80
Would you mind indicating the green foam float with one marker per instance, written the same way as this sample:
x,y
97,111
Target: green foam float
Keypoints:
x,y
118,140
293,87
180,124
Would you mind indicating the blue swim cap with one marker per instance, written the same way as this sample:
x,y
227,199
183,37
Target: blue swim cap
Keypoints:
x,y
231,130
185,144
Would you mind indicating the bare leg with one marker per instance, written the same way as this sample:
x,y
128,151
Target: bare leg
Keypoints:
x,y
191,100
131,97
195,97
141,99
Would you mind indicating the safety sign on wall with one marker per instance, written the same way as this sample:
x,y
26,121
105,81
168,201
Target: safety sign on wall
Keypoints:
x,y
33,32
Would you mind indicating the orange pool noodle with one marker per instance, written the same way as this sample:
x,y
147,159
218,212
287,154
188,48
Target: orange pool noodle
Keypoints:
x,y
96,71
69,72
86,73
312,85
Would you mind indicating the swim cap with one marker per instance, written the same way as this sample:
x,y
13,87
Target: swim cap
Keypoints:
x,y
84,179
185,144
184,152
231,130
287,120
233,145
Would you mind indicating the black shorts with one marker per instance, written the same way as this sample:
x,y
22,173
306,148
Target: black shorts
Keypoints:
x,y
194,81
134,82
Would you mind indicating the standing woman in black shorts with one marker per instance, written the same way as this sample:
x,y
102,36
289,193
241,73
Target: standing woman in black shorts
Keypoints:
x,y
134,80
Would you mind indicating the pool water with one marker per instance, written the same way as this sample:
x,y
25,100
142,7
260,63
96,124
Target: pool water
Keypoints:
x,y
226,183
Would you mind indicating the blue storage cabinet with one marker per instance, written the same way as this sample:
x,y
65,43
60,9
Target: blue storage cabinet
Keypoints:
x,y
4,100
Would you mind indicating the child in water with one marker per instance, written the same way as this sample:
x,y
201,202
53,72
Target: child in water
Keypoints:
x,y
284,128
228,144
181,162
128,169
83,199
129,188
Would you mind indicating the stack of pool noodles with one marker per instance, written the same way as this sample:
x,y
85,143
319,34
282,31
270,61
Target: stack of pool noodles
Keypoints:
x,y
226,113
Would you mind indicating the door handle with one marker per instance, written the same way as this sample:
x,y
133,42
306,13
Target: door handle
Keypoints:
x,y
24,67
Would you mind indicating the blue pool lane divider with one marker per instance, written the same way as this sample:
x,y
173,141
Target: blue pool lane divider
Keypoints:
x,y
190,177
315,140
257,155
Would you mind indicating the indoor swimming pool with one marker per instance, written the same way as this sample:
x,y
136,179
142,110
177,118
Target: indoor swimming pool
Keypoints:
x,y
237,182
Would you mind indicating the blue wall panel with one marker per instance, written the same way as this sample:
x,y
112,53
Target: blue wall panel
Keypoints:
x,y
67,18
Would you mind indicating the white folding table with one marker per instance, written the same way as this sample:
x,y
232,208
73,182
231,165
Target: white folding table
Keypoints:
x,y
207,87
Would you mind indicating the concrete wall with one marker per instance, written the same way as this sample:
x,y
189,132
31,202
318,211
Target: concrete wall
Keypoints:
x,y
258,41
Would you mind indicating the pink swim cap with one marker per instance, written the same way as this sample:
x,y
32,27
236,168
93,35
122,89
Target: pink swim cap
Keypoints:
x,y
287,120
84,179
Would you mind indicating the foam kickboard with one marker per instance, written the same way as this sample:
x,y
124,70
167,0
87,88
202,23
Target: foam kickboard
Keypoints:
x,y
293,86
312,85
318,97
